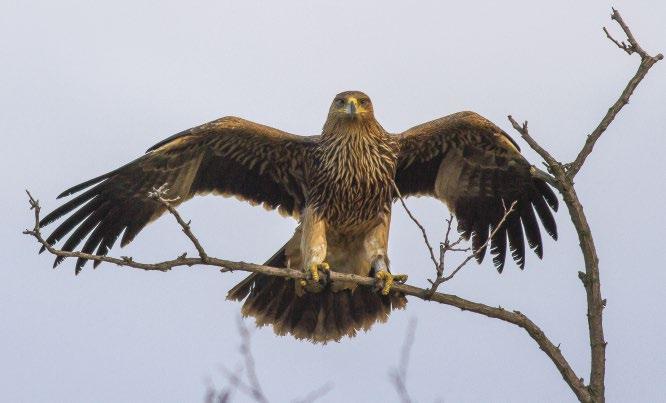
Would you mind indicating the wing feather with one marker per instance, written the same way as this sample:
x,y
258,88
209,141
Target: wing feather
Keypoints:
x,y
229,156
516,240
477,169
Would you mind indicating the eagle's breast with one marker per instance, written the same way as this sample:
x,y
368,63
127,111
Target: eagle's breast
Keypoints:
x,y
352,179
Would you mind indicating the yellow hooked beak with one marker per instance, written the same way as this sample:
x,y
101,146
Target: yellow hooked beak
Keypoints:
x,y
351,108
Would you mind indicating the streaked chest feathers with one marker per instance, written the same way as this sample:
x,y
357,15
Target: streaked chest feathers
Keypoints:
x,y
352,183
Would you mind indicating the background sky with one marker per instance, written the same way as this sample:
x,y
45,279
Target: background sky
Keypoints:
x,y
87,86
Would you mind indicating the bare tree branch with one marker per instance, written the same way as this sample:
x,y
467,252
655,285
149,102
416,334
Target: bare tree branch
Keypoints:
x,y
159,194
514,317
633,44
418,224
564,174
446,246
522,129
590,277
646,64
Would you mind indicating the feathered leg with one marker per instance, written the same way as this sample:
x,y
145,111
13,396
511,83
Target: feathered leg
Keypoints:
x,y
313,252
376,244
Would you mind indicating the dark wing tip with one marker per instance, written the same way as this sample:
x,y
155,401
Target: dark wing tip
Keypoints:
x,y
547,193
98,179
80,262
86,184
57,261
498,247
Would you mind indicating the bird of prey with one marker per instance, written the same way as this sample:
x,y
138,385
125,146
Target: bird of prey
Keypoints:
x,y
340,186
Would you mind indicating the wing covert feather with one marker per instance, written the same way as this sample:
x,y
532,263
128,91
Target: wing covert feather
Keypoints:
x,y
477,169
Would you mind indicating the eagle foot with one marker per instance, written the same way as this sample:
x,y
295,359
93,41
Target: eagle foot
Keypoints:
x,y
385,280
315,282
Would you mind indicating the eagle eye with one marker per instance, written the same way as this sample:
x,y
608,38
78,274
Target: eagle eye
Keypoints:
x,y
339,101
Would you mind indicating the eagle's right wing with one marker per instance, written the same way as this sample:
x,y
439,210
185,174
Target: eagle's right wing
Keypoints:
x,y
229,156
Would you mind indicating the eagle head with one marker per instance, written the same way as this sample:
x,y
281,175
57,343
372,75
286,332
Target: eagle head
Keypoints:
x,y
351,105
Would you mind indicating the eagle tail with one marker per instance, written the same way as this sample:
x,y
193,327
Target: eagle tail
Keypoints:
x,y
318,317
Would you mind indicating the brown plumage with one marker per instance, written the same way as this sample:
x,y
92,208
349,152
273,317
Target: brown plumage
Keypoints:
x,y
339,185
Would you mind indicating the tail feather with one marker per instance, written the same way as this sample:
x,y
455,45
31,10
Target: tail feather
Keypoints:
x,y
318,317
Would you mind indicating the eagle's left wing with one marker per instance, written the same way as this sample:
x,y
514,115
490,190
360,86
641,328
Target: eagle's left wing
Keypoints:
x,y
477,170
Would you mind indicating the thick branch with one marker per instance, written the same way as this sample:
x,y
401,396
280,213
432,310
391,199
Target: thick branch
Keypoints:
x,y
564,176
591,275
514,317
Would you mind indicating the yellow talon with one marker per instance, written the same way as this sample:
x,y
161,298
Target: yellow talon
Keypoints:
x,y
314,271
389,279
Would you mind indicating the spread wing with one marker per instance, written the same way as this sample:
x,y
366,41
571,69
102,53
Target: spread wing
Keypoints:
x,y
476,169
229,156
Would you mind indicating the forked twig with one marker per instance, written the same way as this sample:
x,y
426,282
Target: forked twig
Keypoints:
x,y
159,194
446,247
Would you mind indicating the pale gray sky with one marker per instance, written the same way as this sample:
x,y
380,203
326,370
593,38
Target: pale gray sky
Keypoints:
x,y
85,87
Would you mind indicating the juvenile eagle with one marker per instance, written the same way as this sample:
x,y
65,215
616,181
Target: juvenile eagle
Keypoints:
x,y
340,186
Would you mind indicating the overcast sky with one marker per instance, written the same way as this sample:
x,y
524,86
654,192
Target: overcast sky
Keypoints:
x,y
87,87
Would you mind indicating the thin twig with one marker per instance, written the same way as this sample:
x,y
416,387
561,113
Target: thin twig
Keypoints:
x,y
440,277
159,194
445,246
633,44
619,44
418,224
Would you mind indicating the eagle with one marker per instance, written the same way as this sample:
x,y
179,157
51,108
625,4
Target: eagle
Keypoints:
x,y
340,185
